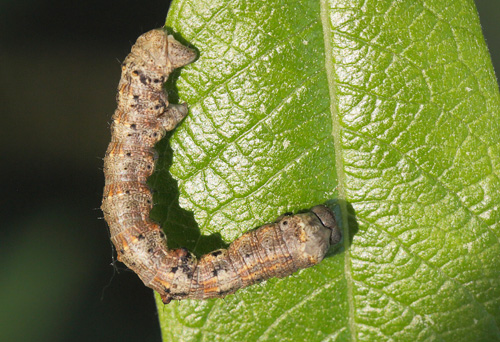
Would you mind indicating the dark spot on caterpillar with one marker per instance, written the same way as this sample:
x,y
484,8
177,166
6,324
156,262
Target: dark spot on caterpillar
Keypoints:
x,y
185,268
144,79
309,234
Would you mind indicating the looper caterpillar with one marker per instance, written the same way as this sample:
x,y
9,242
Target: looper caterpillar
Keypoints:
x,y
143,116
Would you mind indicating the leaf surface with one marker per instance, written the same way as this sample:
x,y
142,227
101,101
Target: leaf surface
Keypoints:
x,y
391,107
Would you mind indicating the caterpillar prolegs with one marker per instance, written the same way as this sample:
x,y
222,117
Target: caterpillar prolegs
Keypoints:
x,y
141,120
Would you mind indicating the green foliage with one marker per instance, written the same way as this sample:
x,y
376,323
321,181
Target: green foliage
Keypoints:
x,y
391,106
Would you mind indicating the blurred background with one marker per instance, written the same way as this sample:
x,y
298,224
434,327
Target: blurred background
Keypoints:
x,y
59,68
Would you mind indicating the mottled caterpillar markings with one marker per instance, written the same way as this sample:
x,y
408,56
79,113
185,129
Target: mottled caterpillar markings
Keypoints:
x,y
141,119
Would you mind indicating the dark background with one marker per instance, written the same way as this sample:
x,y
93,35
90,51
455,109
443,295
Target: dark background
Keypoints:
x,y
59,68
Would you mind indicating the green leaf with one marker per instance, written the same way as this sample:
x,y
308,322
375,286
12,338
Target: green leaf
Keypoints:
x,y
393,103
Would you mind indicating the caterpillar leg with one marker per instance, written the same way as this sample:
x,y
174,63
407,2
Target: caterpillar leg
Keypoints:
x,y
173,115
166,299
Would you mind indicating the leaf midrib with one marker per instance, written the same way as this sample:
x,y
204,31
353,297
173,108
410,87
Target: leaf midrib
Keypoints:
x,y
330,73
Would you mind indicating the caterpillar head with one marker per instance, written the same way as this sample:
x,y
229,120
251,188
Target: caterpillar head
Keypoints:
x,y
327,218
309,235
320,231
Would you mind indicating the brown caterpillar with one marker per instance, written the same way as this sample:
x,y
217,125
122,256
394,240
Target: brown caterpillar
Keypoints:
x,y
141,119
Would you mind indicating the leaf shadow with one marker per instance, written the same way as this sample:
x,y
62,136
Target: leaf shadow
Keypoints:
x,y
178,224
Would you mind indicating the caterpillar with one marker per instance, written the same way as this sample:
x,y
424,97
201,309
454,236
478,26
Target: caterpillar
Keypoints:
x,y
142,117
